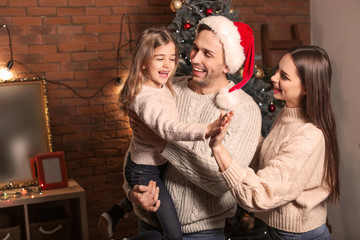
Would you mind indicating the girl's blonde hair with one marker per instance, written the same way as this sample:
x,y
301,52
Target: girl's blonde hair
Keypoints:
x,y
150,39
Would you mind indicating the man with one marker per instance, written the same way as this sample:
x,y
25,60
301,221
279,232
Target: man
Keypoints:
x,y
201,197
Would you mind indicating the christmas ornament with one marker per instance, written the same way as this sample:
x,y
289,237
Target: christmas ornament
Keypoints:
x,y
175,5
209,11
272,107
187,26
259,72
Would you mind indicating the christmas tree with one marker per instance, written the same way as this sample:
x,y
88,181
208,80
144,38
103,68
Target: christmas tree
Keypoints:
x,y
183,27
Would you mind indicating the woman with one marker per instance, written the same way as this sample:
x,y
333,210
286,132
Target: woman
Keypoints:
x,y
299,160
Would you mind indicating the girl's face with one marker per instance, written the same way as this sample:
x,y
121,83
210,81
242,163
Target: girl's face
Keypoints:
x,y
287,84
161,66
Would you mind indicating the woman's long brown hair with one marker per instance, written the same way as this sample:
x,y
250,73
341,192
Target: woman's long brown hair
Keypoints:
x,y
314,69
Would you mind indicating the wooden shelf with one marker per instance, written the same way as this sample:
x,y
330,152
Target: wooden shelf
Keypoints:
x,y
74,193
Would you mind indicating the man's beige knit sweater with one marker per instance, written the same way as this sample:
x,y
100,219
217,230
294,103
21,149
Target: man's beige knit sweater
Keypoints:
x,y
201,197
286,193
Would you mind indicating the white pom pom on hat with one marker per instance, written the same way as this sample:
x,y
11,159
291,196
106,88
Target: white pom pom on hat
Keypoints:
x,y
238,43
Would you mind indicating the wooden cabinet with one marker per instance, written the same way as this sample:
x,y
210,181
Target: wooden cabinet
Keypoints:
x,y
56,214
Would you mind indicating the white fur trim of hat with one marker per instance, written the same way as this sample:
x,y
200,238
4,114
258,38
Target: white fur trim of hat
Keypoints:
x,y
229,36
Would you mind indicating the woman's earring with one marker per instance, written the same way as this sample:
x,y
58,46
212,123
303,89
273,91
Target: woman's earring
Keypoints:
x,y
304,91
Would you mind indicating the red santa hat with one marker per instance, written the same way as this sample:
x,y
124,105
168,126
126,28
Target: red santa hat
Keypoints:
x,y
238,43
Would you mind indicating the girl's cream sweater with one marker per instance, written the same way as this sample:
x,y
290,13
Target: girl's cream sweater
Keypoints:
x,y
156,108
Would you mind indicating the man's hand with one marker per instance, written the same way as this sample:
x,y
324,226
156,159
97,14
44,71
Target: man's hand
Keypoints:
x,y
146,197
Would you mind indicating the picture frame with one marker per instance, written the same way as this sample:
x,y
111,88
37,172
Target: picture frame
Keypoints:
x,y
33,168
51,170
24,127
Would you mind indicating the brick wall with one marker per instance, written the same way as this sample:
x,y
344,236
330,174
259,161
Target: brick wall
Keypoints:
x,y
74,42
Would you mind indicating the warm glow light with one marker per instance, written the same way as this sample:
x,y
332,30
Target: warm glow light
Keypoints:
x,y
5,74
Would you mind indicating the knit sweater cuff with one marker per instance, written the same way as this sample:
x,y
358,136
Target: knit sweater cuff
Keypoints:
x,y
234,174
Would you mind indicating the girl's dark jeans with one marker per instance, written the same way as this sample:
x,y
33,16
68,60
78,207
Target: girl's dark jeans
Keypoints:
x,y
139,174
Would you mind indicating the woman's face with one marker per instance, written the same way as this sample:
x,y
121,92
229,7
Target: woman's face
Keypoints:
x,y
287,84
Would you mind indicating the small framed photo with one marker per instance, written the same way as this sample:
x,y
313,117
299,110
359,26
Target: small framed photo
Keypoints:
x,y
33,168
51,170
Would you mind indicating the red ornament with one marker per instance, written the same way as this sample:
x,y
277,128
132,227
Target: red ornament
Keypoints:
x,y
187,26
272,108
209,11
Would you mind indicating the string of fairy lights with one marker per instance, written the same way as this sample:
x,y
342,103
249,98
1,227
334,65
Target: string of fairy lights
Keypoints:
x,y
12,191
5,72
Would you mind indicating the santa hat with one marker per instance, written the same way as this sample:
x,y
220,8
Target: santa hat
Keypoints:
x,y
238,43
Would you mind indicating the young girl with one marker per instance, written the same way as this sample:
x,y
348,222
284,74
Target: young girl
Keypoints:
x,y
299,160
147,93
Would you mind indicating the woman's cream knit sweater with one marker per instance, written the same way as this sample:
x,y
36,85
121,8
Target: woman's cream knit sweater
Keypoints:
x,y
287,192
